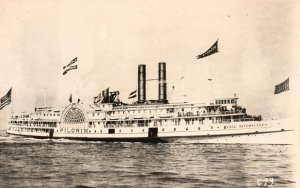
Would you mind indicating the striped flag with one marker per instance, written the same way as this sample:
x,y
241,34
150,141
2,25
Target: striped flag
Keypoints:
x,y
213,49
97,98
70,68
284,86
72,62
5,100
132,95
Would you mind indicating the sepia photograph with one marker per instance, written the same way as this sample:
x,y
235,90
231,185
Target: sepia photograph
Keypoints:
x,y
149,93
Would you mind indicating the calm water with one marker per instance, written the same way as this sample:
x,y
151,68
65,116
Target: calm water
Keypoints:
x,y
62,163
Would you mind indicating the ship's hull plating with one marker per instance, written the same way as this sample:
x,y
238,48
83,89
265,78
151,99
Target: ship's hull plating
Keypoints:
x,y
271,135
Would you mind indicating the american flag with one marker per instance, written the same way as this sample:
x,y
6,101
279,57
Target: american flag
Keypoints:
x,y
5,100
70,68
72,62
284,86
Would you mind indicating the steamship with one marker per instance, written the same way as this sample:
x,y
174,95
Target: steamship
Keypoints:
x,y
109,119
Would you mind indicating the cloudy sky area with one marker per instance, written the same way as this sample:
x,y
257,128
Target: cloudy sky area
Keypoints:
x,y
257,44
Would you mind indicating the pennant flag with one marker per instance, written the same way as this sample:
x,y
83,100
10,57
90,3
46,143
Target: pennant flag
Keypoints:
x,y
70,68
132,94
213,49
70,99
72,62
284,86
5,100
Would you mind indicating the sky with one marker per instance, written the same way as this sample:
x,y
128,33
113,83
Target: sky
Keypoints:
x,y
258,48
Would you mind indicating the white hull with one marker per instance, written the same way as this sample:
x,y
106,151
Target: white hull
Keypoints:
x,y
258,132
283,137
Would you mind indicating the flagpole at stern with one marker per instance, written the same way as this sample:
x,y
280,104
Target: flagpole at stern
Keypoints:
x,y
12,103
45,97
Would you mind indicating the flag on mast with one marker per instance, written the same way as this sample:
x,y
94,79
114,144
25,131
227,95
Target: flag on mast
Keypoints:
x,y
98,98
69,67
72,62
213,49
284,86
132,94
5,100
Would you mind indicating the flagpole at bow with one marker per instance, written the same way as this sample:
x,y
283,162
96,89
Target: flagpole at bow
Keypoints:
x,y
66,69
12,104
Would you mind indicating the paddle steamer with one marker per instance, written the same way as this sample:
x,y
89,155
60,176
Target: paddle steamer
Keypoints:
x,y
108,119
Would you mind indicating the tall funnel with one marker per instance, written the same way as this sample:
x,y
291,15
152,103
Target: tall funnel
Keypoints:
x,y
162,84
141,83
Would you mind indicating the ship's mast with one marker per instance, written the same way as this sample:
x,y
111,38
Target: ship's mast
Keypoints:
x,y
12,103
45,97
77,92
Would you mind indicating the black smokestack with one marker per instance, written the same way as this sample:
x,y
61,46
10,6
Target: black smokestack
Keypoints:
x,y
162,83
141,83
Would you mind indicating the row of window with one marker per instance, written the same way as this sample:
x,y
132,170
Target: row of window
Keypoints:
x,y
153,106
113,130
40,114
90,131
146,122
185,129
40,124
31,130
226,101
143,111
254,125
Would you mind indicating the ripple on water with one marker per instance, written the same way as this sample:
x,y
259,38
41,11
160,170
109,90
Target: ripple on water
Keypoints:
x,y
65,163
